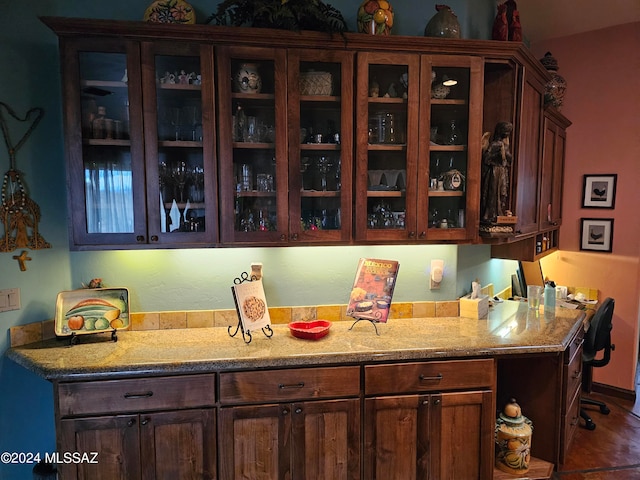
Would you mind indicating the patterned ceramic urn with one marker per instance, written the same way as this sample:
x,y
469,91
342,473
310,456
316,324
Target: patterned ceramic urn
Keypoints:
x,y
247,79
513,440
556,87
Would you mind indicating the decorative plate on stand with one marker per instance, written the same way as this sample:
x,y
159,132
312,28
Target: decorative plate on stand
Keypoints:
x,y
170,11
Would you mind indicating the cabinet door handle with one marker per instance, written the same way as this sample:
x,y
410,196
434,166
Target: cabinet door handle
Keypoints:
x,y
298,410
423,234
577,374
154,238
282,386
412,234
436,401
283,237
139,395
131,422
140,238
145,421
294,236
426,378
285,412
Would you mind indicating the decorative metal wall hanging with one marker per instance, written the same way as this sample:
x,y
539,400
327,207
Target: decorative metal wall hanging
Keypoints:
x,y
19,214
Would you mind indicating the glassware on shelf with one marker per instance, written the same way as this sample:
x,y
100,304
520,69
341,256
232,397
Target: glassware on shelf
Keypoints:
x,y
324,164
454,135
197,184
194,118
180,174
175,119
246,178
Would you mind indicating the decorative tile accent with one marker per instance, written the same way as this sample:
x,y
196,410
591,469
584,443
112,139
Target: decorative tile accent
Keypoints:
x,y
329,312
33,332
401,310
145,321
447,309
225,318
302,313
24,334
173,320
424,309
280,315
200,319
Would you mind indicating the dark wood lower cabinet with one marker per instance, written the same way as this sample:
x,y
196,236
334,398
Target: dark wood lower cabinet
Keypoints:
x,y
439,436
163,445
304,440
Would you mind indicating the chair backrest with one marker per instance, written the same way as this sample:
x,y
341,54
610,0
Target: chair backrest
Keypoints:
x,y
598,336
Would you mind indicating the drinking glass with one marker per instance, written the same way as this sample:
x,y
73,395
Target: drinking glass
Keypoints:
x,y
533,296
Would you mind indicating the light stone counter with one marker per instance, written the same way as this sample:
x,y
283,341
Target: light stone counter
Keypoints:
x,y
509,329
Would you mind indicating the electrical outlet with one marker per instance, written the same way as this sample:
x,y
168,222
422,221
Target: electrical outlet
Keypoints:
x,y
436,274
9,299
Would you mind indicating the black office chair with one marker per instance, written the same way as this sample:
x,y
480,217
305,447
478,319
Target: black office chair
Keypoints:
x,y
597,338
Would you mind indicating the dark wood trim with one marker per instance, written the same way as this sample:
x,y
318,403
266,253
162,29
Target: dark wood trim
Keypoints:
x,y
613,391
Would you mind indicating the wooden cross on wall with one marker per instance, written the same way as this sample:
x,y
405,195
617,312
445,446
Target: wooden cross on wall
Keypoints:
x,y
22,258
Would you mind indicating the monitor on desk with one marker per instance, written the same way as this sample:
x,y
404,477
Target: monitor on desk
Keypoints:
x,y
530,273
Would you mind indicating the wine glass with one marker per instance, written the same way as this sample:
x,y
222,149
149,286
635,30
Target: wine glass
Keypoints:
x,y
180,174
193,117
175,118
324,165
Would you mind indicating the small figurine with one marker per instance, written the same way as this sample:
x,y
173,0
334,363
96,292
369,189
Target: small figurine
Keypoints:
x,y
496,161
500,26
515,29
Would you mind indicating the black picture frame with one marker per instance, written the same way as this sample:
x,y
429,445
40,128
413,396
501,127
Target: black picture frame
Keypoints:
x,y
599,191
596,234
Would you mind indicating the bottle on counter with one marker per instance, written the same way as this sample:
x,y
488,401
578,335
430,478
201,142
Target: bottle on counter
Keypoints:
x,y
550,296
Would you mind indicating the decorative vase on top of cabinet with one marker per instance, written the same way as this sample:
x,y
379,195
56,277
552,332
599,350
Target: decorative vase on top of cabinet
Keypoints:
x,y
418,147
127,187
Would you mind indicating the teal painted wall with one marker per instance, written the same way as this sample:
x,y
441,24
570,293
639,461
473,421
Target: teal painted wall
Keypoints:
x,y
168,279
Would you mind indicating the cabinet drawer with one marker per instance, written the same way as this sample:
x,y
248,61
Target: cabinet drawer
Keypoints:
x,y
287,385
569,425
428,376
575,346
135,395
572,378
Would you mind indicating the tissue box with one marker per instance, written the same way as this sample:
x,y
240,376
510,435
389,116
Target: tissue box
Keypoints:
x,y
474,307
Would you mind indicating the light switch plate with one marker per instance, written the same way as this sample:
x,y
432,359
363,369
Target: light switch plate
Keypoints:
x,y
9,299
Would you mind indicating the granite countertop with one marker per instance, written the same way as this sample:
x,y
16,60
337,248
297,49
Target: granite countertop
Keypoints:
x,y
510,328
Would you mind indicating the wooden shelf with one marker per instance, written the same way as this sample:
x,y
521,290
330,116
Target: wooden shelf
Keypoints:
x,y
320,98
446,193
319,146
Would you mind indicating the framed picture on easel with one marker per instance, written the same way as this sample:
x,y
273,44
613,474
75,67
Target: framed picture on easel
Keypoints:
x,y
599,191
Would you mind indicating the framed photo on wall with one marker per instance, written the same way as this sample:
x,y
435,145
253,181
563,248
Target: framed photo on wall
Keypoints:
x,y
599,191
596,234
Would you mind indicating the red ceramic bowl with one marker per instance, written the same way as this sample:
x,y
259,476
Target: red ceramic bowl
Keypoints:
x,y
310,330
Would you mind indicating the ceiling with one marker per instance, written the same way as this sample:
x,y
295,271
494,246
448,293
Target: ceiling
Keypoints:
x,y
545,19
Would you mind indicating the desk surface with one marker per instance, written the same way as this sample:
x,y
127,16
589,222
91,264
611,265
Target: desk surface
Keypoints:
x,y
510,328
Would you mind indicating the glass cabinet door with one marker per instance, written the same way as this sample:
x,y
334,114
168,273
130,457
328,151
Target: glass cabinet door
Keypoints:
x,y
320,145
106,171
386,146
179,132
450,156
253,132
